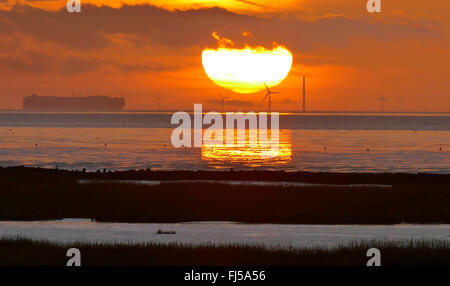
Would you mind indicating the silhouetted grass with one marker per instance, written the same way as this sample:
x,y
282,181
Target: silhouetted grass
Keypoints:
x,y
19,251
32,194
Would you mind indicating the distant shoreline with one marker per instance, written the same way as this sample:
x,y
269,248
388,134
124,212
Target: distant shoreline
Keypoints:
x,y
333,178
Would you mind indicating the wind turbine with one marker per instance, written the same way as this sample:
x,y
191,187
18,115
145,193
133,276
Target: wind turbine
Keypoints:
x,y
222,100
269,94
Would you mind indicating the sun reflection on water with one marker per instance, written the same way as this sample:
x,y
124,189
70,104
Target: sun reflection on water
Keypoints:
x,y
248,154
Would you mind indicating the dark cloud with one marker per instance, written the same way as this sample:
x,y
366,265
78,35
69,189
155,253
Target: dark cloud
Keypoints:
x,y
147,25
76,65
189,28
35,62
29,62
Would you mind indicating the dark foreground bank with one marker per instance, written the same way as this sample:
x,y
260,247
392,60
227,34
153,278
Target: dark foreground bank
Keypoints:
x,y
22,252
42,194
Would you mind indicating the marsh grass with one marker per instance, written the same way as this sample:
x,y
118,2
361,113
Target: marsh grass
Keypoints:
x,y
40,194
21,251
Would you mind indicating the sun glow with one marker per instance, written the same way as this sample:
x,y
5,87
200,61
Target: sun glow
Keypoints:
x,y
246,70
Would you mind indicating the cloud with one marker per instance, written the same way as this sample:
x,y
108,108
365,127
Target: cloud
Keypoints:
x,y
77,65
82,43
29,62
193,27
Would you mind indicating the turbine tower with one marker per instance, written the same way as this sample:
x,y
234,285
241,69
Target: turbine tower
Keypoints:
x,y
304,93
222,100
269,94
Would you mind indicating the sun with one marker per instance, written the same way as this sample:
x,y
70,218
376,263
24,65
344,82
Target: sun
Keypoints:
x,y
246,70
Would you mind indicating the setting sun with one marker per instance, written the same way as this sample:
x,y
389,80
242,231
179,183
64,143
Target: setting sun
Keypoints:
x,y
246,70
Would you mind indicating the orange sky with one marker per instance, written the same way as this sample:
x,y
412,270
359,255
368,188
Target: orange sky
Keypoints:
x,y
351,57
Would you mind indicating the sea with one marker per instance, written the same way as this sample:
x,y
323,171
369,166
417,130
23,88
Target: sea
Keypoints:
x,y
316,142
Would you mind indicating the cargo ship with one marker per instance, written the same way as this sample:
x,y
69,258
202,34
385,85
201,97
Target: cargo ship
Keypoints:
x,y
89,103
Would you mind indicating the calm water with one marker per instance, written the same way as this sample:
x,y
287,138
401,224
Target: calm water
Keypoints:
x,y
200,233
312,142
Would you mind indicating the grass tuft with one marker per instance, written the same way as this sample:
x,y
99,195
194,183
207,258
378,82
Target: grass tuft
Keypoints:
x,y
18,251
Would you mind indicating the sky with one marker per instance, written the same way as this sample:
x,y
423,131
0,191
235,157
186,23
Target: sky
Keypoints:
x,y
140,49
